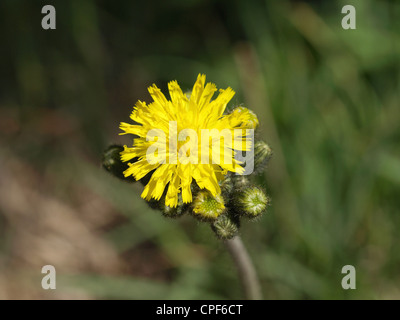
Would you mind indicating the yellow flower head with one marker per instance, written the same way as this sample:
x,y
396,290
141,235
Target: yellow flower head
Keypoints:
x,y
187,137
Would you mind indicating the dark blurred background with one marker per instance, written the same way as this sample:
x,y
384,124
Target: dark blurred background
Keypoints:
x,y
328,103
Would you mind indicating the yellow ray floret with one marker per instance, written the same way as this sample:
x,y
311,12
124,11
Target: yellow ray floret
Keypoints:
x,y
160,149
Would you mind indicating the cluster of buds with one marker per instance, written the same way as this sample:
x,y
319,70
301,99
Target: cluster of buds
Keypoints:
x,y
239,197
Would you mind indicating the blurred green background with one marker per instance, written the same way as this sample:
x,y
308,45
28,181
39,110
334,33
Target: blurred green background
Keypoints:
x,y
328,103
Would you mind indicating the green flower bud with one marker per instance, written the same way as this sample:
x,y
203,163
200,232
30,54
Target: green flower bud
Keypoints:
x,y
169,212
194,187
176,212
206,207
226,185
155,204
251,202
224,227
111,162
240,181
262,154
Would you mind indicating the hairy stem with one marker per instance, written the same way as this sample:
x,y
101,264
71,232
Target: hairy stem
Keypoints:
x,y
247,273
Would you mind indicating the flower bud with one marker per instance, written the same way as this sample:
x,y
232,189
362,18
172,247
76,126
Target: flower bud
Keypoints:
x,y
251,202
226,185
240,181
176,212
252,121
206,207
112,162
155,204
262,154
224,227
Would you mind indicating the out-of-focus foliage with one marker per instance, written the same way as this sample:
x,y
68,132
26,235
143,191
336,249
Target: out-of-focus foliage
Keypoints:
x,y
328,104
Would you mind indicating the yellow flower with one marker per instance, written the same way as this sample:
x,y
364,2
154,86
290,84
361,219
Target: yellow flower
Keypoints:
x,y
176,160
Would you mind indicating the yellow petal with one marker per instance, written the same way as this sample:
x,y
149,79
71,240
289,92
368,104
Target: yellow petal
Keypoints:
x,y
159,179
198,88
176,93
220,103
157,95
171,199
140,168
185,173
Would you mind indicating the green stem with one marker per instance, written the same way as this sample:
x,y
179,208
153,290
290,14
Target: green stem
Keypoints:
x,y
247,273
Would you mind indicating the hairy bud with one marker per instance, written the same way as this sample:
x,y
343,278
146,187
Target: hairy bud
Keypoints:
x,y
226,185
176,212
206,207
112,162
251,202
252,122
262,154
240,182
224,227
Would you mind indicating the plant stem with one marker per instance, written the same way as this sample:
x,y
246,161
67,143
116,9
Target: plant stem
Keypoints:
x,y
247,273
